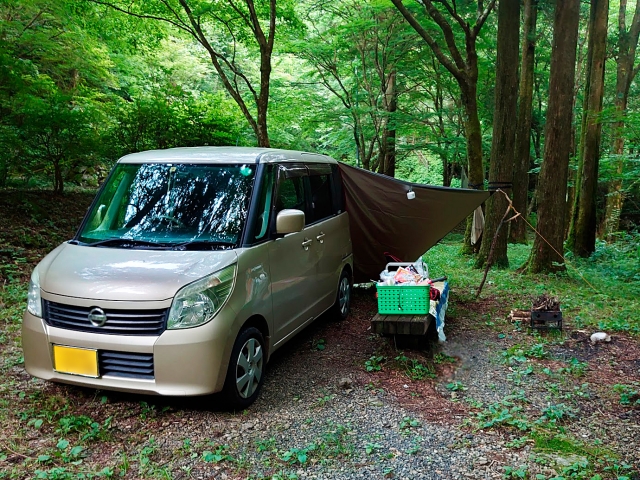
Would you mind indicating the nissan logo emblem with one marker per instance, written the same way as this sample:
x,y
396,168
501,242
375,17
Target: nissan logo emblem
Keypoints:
x,y
97,317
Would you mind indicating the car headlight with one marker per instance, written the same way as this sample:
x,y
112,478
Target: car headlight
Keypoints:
x,y
198,302
34,303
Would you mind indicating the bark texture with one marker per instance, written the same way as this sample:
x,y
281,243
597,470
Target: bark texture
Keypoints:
x,y
582,234
387,160
522,156
553,174
504,133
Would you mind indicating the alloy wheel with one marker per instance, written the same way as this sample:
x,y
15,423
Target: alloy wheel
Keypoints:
x,y
249,368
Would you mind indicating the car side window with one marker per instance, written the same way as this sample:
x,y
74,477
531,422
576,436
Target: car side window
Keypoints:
x,y
321,197
291,192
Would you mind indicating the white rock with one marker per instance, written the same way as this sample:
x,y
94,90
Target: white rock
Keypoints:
x,y
600,337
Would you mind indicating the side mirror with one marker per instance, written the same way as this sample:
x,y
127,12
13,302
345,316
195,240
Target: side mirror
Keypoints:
x,y
289,221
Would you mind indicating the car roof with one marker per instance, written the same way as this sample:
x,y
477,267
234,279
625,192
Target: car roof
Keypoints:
x,y
224,155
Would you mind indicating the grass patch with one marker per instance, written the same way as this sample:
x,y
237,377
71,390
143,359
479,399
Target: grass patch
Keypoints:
x,y
614,271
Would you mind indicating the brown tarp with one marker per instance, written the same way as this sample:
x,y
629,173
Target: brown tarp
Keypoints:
x,y
382,218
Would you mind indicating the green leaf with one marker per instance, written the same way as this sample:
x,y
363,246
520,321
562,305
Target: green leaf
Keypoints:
x,y
75,451
62,444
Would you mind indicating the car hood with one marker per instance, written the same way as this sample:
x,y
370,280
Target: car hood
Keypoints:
x,y
126,274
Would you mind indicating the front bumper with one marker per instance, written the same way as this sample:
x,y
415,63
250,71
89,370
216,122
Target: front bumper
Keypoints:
x,y
186,362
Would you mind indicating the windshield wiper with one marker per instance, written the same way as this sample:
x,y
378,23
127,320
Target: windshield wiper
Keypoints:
x,y
126,243
203,245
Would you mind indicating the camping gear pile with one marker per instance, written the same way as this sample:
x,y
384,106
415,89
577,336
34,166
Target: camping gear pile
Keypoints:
x,y
405,288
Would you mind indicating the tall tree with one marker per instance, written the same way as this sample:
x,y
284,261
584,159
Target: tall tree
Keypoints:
x,y
462,64
582,234
552,188
625,73
504,132
522,156
237,25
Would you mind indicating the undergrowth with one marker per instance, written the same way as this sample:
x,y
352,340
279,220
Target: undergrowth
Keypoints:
x,y
609,301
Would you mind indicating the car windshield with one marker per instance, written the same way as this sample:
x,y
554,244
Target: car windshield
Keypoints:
x,y
170,205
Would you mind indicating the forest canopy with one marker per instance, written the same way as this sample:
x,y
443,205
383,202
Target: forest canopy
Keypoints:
x,y
480,94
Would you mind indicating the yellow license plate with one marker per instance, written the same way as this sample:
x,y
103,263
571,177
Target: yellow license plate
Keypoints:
x,y
76,361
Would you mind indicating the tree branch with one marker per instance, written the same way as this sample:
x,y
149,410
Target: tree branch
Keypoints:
x,y
446,62
33,20
247,20
143,15
634,31
453,11
622,17
272,24
635,71
482,17
215,60
447,31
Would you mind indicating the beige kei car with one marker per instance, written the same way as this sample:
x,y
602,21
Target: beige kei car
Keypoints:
x,y
191,267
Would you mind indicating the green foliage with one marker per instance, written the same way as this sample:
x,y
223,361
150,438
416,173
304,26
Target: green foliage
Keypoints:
x,y
219,454
557,413
574,367
506,412
629,394
611,307
414,369
455,386
71,103
408,423
371,447
515,472
297,455
84,426
374,364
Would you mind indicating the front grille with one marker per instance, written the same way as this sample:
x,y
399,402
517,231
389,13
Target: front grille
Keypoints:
x,y
126,364
119,322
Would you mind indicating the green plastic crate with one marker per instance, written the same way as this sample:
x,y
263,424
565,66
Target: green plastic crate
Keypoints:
x,y
403,300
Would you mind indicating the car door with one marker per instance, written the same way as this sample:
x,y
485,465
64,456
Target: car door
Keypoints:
x,y
327,231
293,258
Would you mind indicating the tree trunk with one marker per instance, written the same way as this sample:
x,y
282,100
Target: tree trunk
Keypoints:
x,y
4,173
553,174
58,182
522,156
473,135
388,140
582,236
504,132
625,72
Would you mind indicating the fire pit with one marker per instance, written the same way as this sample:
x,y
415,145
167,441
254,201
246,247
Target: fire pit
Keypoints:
x,y
546,313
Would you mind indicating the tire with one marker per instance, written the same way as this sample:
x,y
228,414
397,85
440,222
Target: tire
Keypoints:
x,y
245,374
340,310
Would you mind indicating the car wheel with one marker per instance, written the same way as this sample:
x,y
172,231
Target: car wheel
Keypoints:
x,y
246,369
343,297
